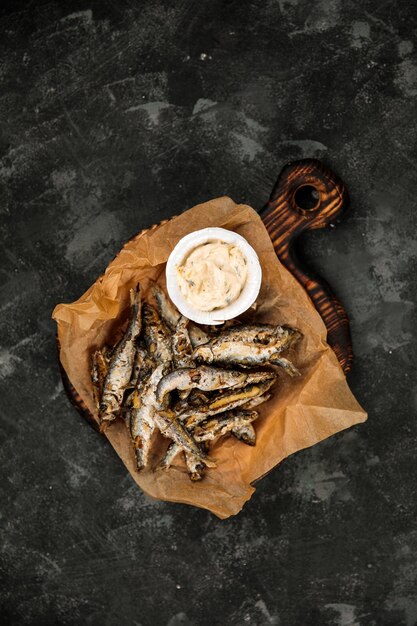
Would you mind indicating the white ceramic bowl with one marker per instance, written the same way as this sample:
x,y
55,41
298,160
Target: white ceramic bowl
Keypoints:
x,y
249,292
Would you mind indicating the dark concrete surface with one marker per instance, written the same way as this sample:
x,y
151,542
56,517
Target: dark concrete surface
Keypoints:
x,y
113,116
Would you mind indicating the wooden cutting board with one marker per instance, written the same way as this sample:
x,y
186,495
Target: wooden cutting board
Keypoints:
x,y
306,196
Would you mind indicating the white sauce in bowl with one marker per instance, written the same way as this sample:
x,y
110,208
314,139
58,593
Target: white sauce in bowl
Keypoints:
x,y
221,266
213,275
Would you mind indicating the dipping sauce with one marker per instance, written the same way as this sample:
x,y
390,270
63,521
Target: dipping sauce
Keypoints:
x,y
213,275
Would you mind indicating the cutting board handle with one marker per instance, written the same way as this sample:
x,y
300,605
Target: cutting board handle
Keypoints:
x,y
307,196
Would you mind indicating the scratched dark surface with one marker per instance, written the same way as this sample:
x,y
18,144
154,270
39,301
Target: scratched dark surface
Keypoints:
x,y
117,115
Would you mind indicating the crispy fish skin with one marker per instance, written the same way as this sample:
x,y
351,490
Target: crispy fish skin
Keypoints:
x,y
224,402
215,369
286,364
99,371
121,363
142,416
172,451
251,404
181,345
194,466
228,422
237,423
256,333
182,349
245,433
142,369
197,336
142,428
167,310
144,419
171,316
206,378
195,405
107,353
157,336
142,366
171,427
249,349
196,399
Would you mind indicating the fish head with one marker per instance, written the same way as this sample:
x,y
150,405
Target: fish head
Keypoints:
x,y
150,315
108,406
203,353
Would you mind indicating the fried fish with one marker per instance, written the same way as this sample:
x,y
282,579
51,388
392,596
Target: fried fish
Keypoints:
x,y
250,347
121,363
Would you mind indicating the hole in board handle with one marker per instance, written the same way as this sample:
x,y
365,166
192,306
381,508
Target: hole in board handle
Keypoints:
x,y
307,198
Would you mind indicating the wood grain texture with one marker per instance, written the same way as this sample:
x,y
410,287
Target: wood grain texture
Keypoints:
x,y
285,220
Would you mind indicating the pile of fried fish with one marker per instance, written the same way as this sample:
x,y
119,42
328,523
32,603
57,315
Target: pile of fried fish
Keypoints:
x,y
192,384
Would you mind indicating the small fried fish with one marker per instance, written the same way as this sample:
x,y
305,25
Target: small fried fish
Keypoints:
x,y
142,366
171,427
171,316
207,379
121,363
245,433
286,364
253,333
228,422
224,402
157,336
142,369
107,352
194,465
166,308
99,371
197,336
237,423
172,451
182,349
256,401
181,345
142,416
244,347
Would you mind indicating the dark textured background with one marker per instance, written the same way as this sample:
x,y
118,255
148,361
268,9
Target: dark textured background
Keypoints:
x,y
113,116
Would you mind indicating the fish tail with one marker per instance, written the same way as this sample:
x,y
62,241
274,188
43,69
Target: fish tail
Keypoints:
x,y
135,304
135,299
104,424
208,461
286,365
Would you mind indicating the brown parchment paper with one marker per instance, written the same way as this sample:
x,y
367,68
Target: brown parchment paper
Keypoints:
x,y
302,411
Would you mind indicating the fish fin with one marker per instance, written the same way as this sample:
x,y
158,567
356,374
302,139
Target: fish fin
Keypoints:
x,y
135,304
285,364
142,447
104,424
246,434
135,295
194,465
208,461
140,461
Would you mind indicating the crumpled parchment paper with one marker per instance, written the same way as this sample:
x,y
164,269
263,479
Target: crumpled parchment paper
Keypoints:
x,y
302,411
